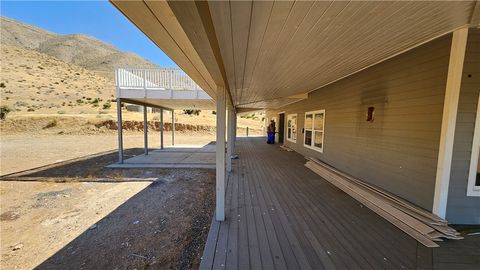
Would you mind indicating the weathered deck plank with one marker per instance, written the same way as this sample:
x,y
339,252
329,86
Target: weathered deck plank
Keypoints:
x,y
280,215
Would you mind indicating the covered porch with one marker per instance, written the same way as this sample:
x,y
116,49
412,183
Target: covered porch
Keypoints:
x,y
281,215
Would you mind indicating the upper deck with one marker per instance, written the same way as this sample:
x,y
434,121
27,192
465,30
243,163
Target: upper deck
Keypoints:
x,y
169,88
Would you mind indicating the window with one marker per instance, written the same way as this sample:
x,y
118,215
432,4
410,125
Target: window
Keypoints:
x,y
292,127
314,130
473,187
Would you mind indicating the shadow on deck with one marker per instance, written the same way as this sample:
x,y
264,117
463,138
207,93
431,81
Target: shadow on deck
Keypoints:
x,y
281,215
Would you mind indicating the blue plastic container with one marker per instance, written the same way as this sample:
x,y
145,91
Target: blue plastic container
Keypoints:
x,y
271,137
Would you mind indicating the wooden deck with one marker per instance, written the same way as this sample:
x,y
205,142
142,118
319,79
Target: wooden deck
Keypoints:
x,y
280,215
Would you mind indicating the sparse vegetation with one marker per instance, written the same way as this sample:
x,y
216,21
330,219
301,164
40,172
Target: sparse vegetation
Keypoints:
x,y
249,116
52,123
107,105
192,112
2,85
4,110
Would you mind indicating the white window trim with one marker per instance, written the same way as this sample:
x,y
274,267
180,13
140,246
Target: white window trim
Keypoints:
x,y
473,190
313,132
293,139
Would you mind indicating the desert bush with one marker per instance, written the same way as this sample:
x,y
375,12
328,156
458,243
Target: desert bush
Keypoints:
x,y
2,85
214,112
192,112
52,123
107,105
4,110
21,104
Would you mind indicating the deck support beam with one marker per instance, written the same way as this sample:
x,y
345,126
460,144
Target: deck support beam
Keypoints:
x,y
161,128
450,106
173,127
145,131
220,154
231,137
120,131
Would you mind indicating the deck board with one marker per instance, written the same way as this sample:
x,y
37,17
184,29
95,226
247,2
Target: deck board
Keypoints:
x,y
281,215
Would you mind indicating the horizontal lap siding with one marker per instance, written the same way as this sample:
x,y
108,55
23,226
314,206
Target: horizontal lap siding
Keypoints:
x,y
460,208
399,150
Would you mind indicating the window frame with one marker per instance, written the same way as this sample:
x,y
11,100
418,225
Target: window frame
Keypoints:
x,y
472,189
293,139
312,129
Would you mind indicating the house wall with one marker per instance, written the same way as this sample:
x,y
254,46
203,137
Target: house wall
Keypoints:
x,y
462,209
398,150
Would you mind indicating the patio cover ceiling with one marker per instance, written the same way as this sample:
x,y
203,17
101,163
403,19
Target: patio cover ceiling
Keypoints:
x,y
267,54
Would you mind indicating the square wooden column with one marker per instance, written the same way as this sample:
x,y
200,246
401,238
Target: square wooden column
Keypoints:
x,y
220,155
231,137
120,131
161,128
145,131
449,119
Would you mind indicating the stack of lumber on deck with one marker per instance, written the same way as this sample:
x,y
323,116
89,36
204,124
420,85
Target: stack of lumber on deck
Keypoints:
x,y
286,148
425,227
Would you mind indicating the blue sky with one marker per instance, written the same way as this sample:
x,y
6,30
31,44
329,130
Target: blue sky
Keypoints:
x,y
99,19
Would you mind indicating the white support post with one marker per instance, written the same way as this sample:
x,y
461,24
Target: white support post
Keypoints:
x,y
450,106
161,128
173,127
230,139
234,132
120,131
220,155
145,131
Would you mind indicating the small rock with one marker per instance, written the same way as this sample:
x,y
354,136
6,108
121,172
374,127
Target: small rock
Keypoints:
x,y
17,247
94,226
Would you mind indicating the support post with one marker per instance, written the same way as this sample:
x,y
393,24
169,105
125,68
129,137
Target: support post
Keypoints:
x,y
220,155
234,132
173,127
145,131
120,131
450,106
230,139
161,128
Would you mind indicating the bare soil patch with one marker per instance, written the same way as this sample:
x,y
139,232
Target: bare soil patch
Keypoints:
x,y
73,218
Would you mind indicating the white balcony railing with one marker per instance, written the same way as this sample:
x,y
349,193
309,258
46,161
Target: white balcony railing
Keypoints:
x,y
154,79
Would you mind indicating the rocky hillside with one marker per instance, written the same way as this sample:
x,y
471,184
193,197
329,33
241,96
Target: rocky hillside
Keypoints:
x,y
81,50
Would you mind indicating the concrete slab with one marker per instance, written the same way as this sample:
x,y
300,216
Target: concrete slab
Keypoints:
x,y
184,156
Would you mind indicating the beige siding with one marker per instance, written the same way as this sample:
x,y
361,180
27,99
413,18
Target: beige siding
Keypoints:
x,y
398,151
460,208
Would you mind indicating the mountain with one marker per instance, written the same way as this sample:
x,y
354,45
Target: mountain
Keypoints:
x,y
84,51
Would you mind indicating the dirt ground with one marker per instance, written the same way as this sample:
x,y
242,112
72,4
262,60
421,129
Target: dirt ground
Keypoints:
x,y
25,151
74,217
